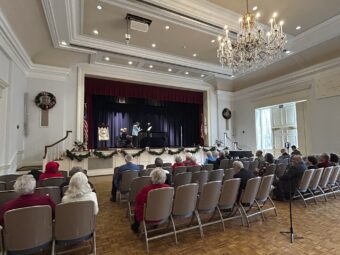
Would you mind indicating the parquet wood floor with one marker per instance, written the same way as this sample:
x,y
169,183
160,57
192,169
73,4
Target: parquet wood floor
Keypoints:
x,y
318,224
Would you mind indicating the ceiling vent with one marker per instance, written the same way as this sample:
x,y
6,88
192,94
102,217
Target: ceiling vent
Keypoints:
x,y
138,23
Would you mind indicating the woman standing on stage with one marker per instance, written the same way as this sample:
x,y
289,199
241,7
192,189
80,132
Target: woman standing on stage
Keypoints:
x,y
135,130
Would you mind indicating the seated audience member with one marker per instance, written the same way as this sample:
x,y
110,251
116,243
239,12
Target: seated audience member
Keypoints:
x,y
193,161
178,162
268,160
25,186
158,178
289,181
210,158
118,175
73,171
259,155
219,159
295,151
242,173
284,154
79,189
187,160
51,171
334,159
324,161
311,162
36,174
227,154
159,165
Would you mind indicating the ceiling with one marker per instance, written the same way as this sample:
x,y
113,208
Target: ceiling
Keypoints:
x,y
174,47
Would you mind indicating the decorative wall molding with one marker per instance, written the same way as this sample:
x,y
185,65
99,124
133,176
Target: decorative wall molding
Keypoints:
x,y
3,86
327,85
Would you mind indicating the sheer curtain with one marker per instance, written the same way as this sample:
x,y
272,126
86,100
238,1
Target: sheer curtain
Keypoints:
x,y
264,135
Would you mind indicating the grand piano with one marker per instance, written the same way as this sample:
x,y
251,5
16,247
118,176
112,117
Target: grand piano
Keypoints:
x,y
152,139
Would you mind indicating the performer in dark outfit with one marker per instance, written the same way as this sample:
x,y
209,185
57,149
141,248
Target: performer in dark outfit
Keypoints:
x,y
148,133
135,130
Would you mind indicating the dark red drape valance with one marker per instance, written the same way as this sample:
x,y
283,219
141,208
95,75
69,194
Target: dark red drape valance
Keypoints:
x,y
95,86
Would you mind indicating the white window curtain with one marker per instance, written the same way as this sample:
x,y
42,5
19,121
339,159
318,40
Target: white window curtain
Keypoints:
x,y
264,136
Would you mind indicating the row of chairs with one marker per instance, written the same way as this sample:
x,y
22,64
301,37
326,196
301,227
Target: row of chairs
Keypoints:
x,y
165,205
30,230
319,183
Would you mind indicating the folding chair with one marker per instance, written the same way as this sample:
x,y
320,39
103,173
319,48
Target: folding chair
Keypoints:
x,y
216,175
137,185
10,185
280,170
75,222
194,169
332,180
263,195
157,211
125,183
207,167
151,166
228,174
246,165
2,186
52,192
7,195
313,185
57,181
248,197
182,179
64,173
180,169
324,182
270,170
143,173
8,177
200,178
253,165
224,164
304,184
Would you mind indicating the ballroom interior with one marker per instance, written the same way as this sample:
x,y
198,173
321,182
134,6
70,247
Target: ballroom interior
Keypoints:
x,y
198,76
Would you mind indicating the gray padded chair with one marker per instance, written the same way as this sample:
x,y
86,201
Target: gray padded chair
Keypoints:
x,y
313,185
208,167
157,210
64,173
200,178
263,195
194,169
324,181
52,192
224,164
246,165
304,184
52,182
216,175
228,174
280,170
70,230
270,170
182,179
180,169
10,185
125,183
23,231
253,165
151,166
332,180
143,173
8,178
8,195
2,186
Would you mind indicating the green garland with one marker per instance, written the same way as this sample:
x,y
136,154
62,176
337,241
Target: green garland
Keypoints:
x,y
99,154
79,157
194,150
170,152
213,148
137,154
155,153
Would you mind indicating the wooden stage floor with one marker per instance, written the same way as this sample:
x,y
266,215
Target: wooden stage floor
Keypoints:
x,y
318,224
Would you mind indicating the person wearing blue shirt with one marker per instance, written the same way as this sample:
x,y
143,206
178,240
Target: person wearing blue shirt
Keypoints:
x,y
135,130
117,176
210,158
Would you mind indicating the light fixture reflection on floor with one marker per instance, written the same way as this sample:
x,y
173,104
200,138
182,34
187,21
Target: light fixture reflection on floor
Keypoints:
x,y
254,46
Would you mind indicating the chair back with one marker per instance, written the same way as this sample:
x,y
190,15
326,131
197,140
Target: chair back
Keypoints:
x,y
216,175
209,197
57,181
250,191
316,179
137,185
8,195
228,174
253,165
229,193
334,175
208,167
143,173
148,171
10,185
246,165
200,178
64,189
280,169
151,166
224,163
169,169
52,192
64,173
305,180
141,167
231,161
159,204
180,169
74,221
265,188
127,177
182,179
194,169
270,169
185,200
167,165
2,186
28,228
9,177
325,177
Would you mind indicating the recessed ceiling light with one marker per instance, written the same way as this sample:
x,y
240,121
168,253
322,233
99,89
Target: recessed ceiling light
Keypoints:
x,y
184,47
170,70
186,73
287,51
213,40
150,66
107,58
255,8
202,75
153,45
194,55
130,62
167,27
95,32
298,28
99,7
63,43
232,76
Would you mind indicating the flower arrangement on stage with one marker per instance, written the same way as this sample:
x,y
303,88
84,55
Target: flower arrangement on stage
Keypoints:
x,y
79,146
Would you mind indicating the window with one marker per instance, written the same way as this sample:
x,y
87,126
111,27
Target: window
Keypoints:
x,y
264,136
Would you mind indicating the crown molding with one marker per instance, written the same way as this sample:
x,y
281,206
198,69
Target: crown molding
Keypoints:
x,y
287,82
49,72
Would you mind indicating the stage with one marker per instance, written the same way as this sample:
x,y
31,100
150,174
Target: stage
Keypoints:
x,y
99,166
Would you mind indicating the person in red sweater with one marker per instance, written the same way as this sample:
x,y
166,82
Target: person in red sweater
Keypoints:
x,y
193,162
187,160
178,162
51,171
158,177
25,186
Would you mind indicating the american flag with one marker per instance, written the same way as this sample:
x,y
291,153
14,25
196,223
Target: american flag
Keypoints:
x,y
86,126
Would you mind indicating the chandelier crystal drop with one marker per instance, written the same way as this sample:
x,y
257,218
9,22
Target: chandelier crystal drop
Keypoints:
x,y
255,46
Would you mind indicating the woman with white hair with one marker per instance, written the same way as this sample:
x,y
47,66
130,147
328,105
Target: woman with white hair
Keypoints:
x,y
79,190
25,186
187,160
242,173
158,177
178,162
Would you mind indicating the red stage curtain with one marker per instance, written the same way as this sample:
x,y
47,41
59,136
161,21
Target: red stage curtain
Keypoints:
x,y
94,86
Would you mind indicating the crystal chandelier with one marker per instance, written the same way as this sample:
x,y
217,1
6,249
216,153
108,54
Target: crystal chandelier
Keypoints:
x,y
254,47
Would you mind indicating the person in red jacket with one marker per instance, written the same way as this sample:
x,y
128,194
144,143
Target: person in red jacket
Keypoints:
x,y
178,162
51,171
158,177
25,186
193,162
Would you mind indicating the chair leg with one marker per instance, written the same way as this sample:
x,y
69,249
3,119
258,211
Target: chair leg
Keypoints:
x,y
331,189
174,228
94,243
245,214
146,237
239,210
221,217
324,194
199,223
302,197
129,212
259,207
52,250
315,200
272,202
